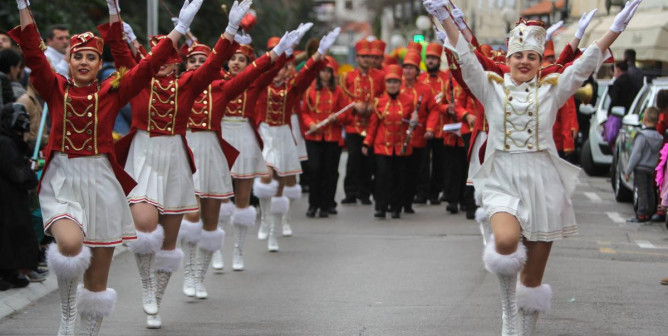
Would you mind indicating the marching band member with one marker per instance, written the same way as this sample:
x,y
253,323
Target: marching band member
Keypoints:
x,y
83,187
417,168
280,152
157,155
323,99
377,53
361,86
386,134
520,135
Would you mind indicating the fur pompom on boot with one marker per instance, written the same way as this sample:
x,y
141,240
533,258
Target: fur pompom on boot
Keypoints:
x,y
532,301
93,307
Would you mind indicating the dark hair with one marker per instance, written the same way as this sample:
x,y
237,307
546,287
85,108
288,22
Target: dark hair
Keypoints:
x,y
49,31
106,54
630,55
651,115
662,100
621,65
9,58
331,84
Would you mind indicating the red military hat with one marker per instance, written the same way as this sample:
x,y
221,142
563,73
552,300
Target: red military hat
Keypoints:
x,y
273,41
378,47
196,49
434,49
414,46
413,57
363,48
549,49
246,50
388,59
332,64
486,50
393,71
173,57
86,41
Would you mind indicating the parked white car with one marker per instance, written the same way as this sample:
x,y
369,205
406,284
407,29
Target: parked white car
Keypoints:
x,y
596,154
631,123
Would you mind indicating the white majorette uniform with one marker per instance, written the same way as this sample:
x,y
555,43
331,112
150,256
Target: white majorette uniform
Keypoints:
x,y
299,138
522,174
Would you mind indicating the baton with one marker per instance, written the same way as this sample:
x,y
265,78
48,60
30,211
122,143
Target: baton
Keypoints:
x,y
326,121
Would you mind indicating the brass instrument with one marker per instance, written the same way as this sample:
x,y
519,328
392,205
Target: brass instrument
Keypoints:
x,y
585,93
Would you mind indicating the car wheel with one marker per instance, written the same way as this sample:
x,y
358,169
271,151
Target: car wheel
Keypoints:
x,y
587,162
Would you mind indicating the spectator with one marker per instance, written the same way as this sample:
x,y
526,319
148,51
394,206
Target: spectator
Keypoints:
x,y
34,106
635,73
57,45
11,66
5,40
662,104
623,91
18,245
642,162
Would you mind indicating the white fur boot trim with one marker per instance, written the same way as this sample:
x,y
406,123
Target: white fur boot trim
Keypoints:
x,y
508,265
279,205
294,192
263,190
190,232
211,240
534,299
96,304
168,260
480,215
147,242
244,216
68,267
226,210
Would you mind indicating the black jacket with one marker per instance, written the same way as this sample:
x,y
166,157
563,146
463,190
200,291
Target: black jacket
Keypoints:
x,y
622,92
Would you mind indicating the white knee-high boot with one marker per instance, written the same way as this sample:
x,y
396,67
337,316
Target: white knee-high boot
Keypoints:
x,y
279,206
531,302
292,193
93,307
144,249
226,210
68,272
166,263
264,193
209,242
189,234
242,219
506,268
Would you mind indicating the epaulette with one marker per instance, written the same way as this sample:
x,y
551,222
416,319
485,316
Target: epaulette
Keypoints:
x,y
551,79
493,76
116,82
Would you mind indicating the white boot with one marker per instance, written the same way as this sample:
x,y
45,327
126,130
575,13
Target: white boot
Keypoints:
x,y
68,272
209,242
264,192
189,233
506,267
166,263
242,218
279,206
93,307
224,218
531,302
293,193
144,249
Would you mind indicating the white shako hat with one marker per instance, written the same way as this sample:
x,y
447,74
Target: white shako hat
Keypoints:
x,y
527,35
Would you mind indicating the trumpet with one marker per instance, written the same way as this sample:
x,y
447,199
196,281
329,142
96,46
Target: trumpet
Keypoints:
x,y
585,94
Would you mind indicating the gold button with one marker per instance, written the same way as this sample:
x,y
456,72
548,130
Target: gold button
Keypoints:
x,y
89,148
68,133
530,146
281,94
507,146
521,40
152,114
529,131
508,133
206,112
89,132
171,102
205,92
67,147
204,124
69,99
239,100
173,89
169,129
530,114
508,114
153,101
89,114
89,97
205,102
69,114
170,115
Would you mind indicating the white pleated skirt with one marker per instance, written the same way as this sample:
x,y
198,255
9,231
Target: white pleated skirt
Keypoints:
x,y
299,138
86,191
280,150
529,187
164,179
238,132
212,178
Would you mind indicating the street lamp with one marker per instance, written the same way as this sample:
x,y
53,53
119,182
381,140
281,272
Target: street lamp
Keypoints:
x,y
508,16
423,23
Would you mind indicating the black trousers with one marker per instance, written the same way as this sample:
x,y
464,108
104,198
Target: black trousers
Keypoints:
x,y
417,172
455,173
436,172
358,182
644,182
390,182
469,191
323,162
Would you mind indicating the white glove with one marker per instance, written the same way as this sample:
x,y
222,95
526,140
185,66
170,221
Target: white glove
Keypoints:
x,y
553,28
114,8
22,4
128,32
175,21
187,15
237,13
436,8
328,40
458,16
584,22
441,35
289,52
243,39
623,18
286,42
303,28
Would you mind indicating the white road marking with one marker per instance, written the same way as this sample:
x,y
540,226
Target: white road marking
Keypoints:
x,y
593,197
645,244
616,217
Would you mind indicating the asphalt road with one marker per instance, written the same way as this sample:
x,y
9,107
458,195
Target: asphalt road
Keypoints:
x,y
420,275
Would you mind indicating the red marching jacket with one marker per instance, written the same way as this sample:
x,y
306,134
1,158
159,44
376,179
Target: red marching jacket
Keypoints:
x,y
428,107
82,118
360,87
388,125
437,84
318,106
